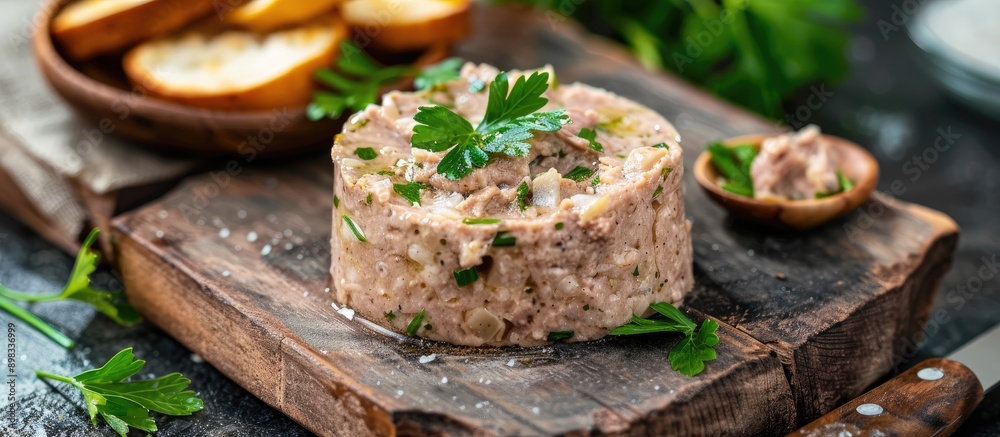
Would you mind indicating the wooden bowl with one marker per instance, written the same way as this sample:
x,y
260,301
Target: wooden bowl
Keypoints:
x,y
858,165
100,93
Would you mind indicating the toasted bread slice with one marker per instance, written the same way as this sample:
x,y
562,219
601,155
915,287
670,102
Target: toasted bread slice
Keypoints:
x,y
88,28
268,15
237,70
409,25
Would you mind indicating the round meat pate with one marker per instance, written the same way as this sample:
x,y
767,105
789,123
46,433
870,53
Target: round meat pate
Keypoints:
x,y
567,258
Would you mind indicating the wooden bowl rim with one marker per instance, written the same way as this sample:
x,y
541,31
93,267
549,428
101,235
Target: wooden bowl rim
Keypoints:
x,y
863,188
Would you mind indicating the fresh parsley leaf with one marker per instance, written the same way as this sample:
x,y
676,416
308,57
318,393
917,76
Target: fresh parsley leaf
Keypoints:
x,y
358,233
578,174
123,404
845,183
438,74
511,138
466,276
336,201
414,325
591,135
559,226
461,160
661,146
522,195
410,191
525,97
690,354
439,129
480,221
78,288
366,153
733,163
368,199
504,239
354,84
560,335
510,121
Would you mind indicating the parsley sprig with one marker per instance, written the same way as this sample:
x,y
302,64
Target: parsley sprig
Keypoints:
x,y
509,122
123,404
691,353
733,163
77,288
357,79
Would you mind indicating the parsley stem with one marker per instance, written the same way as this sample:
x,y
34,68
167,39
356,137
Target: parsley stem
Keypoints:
x,y
27,297
46,375
33,321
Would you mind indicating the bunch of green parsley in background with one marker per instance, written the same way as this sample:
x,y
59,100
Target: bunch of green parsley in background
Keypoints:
x,y
755,53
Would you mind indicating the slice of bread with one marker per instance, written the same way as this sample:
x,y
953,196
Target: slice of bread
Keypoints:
x,y
237,70
87,28
409,25
267,15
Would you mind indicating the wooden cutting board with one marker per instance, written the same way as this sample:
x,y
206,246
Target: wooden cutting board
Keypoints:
x,y
234,265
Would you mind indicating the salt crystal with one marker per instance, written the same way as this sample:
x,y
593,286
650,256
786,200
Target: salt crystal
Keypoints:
x,y
241,214
197,358
715,247
326,290
347,312
288,232
511,363
226,273
251,236
162,214
462,408
750,252
479,405
305,294
444,380
535,410
424,359
488,382
656,388
265,250
399,392
288,246
159,234
224,233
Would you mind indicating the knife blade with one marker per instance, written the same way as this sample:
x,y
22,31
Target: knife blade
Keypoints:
x,y
932,398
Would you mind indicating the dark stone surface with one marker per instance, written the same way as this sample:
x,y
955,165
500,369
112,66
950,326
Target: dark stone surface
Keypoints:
x,y
888,105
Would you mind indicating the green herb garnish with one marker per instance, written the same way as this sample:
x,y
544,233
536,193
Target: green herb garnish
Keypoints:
x,y
390,316
657,191
504,239
661,146
366,153
414,325
123,404
354,228
480,221
595,181
636,271
336,201
733,163
522,195
410,191
845,183
466,276
354,85
386,172
590,135
368,199
438,74
510,121
666,172
691,353
559,226
112,305
560,335
620,155
578,174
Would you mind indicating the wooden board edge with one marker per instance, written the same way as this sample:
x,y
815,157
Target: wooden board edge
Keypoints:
x,y
878,331
272,368
758,383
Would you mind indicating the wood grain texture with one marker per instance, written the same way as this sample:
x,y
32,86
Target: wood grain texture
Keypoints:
x,y
809,320
906,405
267,322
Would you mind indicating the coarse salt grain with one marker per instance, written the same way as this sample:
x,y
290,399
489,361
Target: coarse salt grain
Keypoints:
x,y
424,359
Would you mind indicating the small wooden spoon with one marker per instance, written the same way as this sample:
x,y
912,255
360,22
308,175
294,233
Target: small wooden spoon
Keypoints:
x,y
857,165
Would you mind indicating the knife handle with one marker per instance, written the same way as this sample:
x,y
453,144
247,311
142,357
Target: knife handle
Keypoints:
x,y
931,399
